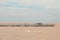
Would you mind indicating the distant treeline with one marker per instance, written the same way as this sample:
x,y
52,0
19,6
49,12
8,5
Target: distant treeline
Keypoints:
x,y
28,25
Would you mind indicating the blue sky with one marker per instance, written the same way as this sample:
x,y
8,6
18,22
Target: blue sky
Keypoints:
x,y
30,11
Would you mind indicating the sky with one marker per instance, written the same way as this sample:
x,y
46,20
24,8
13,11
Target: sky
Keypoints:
x,y
45,11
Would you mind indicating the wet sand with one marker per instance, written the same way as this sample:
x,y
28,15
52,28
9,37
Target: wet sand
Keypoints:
x,y
30,33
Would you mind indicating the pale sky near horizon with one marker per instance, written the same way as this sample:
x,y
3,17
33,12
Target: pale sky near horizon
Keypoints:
x,y
30,11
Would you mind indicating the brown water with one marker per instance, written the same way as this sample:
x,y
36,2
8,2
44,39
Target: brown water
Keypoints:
x,y
30,33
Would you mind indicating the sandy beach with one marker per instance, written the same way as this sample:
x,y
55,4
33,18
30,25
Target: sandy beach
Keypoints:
x,y
30,33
